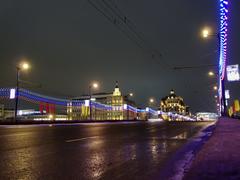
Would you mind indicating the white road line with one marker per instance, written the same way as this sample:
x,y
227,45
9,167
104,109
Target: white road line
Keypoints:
x,y
80,139
15,134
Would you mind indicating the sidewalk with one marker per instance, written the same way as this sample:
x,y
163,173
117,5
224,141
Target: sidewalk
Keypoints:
x,y
219,158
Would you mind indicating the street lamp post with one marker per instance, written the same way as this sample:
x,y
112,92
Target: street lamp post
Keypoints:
x,y
128,111
95,86
23,66
16,94
151,104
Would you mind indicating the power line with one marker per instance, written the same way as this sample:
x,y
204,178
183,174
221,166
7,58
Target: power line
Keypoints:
x,y
194,67
131,25
114,21
113,13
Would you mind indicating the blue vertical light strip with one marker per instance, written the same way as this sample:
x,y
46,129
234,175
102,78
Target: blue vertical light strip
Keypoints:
x,y
223,37
223,44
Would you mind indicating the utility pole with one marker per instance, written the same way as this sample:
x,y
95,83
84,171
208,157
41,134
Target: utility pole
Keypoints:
x,y
16,94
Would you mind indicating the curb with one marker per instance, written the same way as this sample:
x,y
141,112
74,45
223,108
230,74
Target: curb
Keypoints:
x,y
179,164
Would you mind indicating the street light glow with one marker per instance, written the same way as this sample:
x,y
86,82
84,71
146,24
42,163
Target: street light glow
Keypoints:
x,y
24,66
205,33
215,88
131,94
95,85
151,100
211,73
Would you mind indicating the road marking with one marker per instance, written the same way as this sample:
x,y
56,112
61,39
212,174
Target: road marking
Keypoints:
x,y
15,134
80,139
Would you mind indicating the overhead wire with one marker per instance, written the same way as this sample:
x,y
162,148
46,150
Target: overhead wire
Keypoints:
x,y
114,21
113,13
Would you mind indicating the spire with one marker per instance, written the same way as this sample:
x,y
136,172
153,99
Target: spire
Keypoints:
x,y
172,92
116,91
116,86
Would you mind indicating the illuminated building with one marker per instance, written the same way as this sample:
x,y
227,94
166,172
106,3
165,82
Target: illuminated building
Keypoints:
x,y
115,109
116,101
173,103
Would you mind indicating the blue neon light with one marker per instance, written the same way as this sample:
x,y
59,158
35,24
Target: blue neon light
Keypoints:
x,y
223,44
38,98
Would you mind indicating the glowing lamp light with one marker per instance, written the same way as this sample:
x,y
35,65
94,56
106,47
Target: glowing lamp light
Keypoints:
x,y
125,106
210,73
95,85
215,88
24,66
205,33
131,94
151,100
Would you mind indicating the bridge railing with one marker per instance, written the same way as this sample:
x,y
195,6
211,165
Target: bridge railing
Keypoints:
x,y
41,107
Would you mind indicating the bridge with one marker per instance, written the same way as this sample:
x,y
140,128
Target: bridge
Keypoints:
x,y
51,107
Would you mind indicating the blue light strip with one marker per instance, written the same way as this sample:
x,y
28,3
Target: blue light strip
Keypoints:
x,y
131,108
5,92
223,43
101,106
38,98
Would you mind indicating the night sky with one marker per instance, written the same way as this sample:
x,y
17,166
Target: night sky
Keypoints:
x,y
70,44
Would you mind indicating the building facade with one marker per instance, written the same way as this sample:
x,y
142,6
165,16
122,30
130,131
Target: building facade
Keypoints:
x,y
116,107
173,103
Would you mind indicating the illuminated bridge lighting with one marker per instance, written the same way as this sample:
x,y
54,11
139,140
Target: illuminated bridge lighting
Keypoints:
x,y
223,42
36,98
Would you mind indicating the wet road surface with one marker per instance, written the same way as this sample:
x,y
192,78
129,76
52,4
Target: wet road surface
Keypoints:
x,y
91,151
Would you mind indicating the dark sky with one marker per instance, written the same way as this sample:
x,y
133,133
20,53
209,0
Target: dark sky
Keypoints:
x,y
69,44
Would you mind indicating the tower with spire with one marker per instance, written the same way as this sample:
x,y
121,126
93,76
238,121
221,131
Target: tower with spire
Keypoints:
x,y
117,104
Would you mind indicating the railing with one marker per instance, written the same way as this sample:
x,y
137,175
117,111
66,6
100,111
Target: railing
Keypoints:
x,y
50,108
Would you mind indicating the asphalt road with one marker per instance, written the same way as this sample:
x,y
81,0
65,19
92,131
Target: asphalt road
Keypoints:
x,y
90,151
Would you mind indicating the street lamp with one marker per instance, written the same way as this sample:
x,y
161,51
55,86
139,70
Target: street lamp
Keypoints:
x,y
206,32
91,86
211,74
127,109
215,88
21,67
151,100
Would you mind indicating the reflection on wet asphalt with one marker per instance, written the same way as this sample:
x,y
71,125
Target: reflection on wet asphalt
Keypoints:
x,y
99,151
